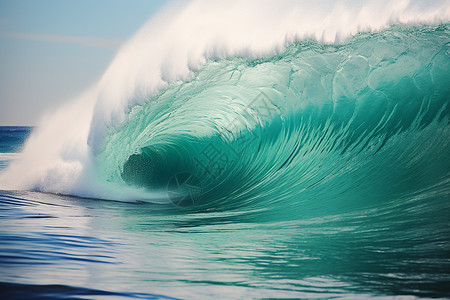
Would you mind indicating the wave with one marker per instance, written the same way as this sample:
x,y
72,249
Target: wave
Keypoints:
x,y
370,115
309,102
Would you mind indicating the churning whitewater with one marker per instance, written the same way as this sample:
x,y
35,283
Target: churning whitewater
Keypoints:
x,y
256,102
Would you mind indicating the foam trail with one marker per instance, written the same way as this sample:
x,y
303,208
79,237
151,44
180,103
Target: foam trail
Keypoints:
x,y
60,156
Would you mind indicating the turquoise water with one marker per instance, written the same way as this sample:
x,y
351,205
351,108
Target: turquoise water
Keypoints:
x,y
315,127
322,172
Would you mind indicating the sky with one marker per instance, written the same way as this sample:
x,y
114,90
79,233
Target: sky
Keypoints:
x,y
51,50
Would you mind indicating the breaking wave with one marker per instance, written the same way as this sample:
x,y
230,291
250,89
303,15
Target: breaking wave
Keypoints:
x,y
332,105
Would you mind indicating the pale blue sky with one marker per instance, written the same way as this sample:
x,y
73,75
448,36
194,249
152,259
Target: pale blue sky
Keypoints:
x,y
52,50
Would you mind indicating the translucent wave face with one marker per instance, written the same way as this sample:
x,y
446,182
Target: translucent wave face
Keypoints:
x,y
315,116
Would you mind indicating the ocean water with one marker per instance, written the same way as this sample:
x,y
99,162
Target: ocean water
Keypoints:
x,y
308,170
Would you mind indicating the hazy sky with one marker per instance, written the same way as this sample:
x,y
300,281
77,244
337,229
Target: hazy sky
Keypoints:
x,y
52,50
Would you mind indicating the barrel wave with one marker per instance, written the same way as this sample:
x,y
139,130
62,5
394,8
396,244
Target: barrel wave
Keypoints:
x,y
338,126
283,149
